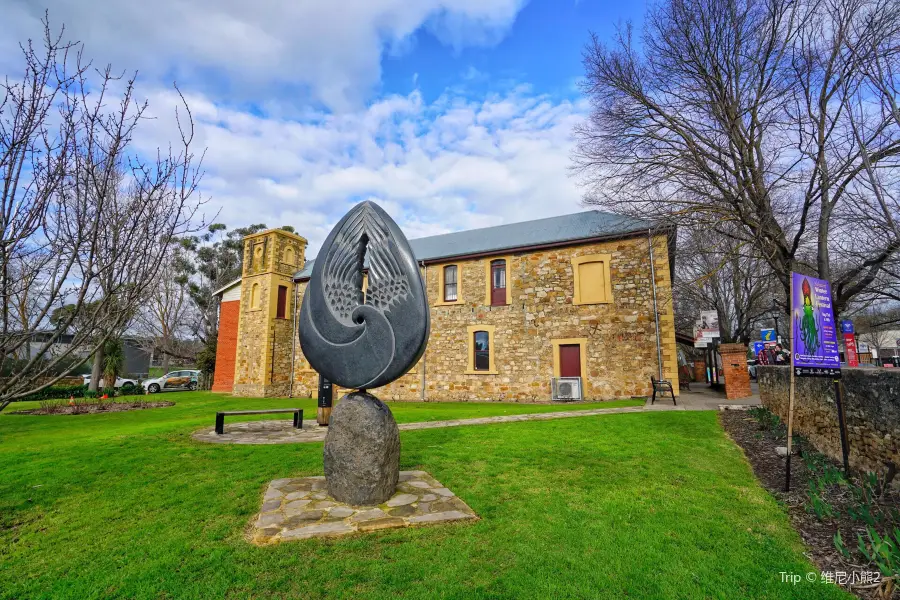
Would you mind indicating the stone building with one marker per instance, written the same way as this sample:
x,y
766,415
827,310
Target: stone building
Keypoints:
x,y
512,307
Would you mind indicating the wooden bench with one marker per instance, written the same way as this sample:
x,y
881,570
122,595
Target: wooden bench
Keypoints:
x,y
220,416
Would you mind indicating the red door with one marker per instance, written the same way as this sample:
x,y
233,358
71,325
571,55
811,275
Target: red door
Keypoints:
x,y
570,360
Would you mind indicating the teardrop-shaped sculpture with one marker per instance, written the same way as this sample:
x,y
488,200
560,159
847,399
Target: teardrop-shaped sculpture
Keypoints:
x,y
364,340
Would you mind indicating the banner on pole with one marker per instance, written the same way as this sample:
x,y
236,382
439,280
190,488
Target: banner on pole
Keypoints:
x,y
850,351
709,324
768,335
815,350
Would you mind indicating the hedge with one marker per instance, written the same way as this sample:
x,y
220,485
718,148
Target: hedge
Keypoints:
x,y
64,392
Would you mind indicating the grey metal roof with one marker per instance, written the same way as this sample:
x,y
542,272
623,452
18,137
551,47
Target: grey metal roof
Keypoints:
x,y
552,230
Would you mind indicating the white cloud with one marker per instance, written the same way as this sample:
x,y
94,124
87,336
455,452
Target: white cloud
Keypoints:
x,y
436,167
331,50
449,164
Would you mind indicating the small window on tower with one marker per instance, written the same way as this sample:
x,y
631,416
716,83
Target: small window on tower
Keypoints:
x,y
281,309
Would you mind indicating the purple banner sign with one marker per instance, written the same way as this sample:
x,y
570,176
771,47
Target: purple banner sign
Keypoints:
x,y
815,352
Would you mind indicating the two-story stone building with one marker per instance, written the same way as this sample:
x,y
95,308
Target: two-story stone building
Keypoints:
x,y
511,307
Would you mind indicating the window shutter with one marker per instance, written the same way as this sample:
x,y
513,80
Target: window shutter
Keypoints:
x,y
592,282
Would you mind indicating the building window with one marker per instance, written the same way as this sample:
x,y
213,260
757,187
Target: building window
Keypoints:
x,y
254,296
450,284
497,289
498,282
481,350
482,346
281,309
591,279
289,257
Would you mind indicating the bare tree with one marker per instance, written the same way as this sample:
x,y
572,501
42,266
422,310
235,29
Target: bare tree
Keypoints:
x,y
877,326
715,272
79,207
167,322
771,122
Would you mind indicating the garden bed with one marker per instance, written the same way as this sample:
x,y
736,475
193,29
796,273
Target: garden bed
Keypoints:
x,y
822,501
92,408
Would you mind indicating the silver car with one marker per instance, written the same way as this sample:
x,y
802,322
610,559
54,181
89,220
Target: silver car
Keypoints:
x,y
173,381
120,382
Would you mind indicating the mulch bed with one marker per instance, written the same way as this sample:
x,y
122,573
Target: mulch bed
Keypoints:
x,y
759,446
87,409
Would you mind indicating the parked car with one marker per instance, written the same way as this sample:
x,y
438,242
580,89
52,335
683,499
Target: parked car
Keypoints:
x,y
751,368
120,382
173,381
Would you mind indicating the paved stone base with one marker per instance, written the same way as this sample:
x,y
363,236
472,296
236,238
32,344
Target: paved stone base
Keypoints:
x,y
296,509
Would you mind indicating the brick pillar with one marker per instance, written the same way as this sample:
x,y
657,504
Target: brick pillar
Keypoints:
x,y
226,346
700,370
734,367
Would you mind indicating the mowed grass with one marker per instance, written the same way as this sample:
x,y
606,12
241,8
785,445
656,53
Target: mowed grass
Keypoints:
x,y
649,505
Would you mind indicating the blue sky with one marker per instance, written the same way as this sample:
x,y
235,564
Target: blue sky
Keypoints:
x,y
543,49
452,114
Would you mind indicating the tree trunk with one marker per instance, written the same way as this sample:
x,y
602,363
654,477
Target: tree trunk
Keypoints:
x,y
97,370
165,363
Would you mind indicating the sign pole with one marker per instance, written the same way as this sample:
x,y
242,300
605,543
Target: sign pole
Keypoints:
x,y
845,447
815,351
326,398
790,427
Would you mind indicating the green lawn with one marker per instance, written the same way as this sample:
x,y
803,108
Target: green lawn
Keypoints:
x,y
650,505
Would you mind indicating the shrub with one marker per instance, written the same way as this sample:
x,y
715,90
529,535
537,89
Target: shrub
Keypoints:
x,y
58,392
767,420
884,552
136,390
53,406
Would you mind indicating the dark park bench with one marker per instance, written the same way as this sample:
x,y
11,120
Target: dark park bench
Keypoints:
x,y
220,416
662,386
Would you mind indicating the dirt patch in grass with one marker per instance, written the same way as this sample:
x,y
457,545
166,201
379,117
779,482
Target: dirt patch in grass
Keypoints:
x,y
836,501
87,409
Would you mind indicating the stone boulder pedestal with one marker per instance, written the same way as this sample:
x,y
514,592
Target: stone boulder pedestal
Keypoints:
x,y
362,451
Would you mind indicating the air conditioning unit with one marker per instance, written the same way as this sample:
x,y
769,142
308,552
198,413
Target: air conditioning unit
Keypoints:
x,y
566,389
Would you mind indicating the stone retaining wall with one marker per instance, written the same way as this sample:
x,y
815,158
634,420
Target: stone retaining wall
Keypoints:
x,y
871,409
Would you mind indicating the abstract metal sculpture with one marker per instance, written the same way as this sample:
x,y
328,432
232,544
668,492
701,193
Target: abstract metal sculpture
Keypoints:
x,y
363,338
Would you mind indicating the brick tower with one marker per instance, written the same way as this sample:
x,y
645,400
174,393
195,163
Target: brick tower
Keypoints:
x,y
266,327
